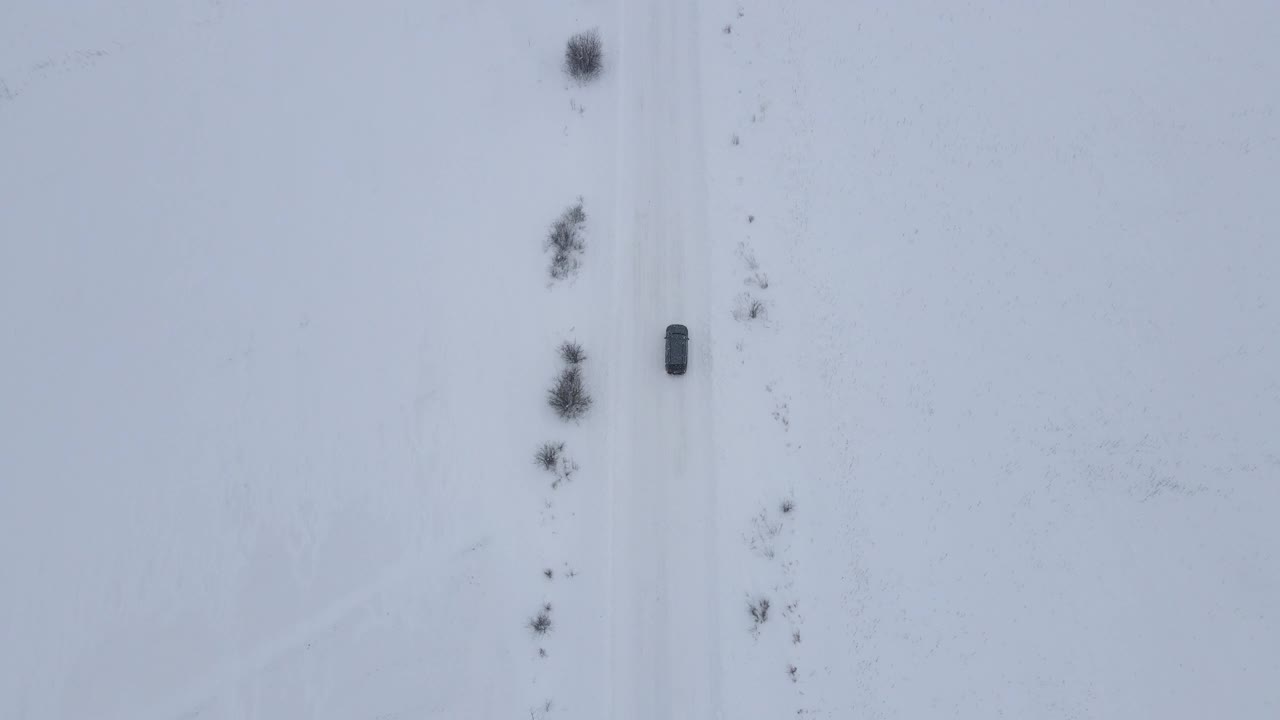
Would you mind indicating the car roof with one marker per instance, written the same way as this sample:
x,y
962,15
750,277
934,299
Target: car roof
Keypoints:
x,y
678,329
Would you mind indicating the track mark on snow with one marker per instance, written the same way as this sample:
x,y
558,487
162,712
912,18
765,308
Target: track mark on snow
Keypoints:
x,y
665,648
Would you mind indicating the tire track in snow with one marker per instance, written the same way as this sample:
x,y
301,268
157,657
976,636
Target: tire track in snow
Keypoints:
x,y
664,647
189,700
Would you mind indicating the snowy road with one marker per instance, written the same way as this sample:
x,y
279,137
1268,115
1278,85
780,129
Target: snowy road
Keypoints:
x,y
665,651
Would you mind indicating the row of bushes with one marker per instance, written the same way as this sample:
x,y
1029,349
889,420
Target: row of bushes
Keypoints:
x,y
568,396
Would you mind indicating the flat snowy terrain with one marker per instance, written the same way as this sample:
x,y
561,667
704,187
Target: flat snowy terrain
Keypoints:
x,y
982,416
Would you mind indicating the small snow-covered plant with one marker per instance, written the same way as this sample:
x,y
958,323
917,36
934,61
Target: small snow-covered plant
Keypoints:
x,y
749,308
551,457
759,610
787,506
764,532
572,353
565,472
565,241
548,455
569,397
584,56
574,214
541,623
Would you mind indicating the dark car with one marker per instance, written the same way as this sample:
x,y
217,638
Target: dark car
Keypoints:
x,y
677,349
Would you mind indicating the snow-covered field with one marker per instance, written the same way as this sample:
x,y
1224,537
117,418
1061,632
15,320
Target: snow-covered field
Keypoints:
x,y
1000,440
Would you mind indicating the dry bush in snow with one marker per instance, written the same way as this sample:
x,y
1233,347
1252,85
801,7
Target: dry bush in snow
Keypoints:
x,y
756,278
548,455
565,472
572,353
541,623
763,534
759,610
749,308
584,56
565,241
569,397
551,457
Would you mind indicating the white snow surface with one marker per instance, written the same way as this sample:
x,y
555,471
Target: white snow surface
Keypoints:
x,y
277,335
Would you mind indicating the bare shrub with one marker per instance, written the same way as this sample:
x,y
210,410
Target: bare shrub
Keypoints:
x,y
575,214
757,278
584,56
563,265
549,573
567,469
565,472
569,397
788,505
541,623
759,611
791,672
548,455
565,241
543,711
551,457
563,236
572,353
763,534
734,140
749,308
783,415
795,637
